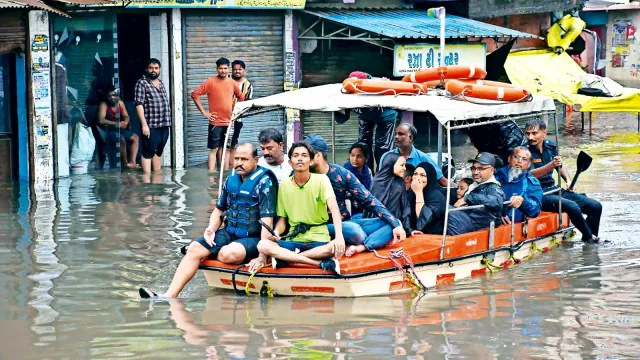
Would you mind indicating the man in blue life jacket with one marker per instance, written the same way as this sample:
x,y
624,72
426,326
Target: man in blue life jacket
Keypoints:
x,y
248,195
520,186
544,159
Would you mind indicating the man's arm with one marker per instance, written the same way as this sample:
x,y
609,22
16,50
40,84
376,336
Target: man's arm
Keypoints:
x,y
124,115
195,95
139,96
492,200
542,170
339,247
237,91
102,115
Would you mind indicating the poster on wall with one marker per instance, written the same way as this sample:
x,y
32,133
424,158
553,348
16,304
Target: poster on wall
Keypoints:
x,y
410,58
620,32
41,92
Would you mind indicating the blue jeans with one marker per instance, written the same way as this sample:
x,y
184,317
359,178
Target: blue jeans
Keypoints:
x,y
373,233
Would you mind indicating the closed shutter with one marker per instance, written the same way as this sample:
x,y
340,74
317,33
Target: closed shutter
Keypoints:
x,y
255,37
12,31
332,66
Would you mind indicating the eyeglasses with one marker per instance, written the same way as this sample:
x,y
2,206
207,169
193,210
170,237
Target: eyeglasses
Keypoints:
x,y
479,168
520,158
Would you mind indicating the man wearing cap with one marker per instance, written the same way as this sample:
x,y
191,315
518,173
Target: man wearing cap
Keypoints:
x,y
383,120
346,183
404,138
485,190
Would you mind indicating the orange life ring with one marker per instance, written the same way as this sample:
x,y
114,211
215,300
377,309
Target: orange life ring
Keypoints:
x,y
446,72
503,92
488,83
382,87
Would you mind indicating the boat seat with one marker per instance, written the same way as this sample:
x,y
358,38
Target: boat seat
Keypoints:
x,y
426,248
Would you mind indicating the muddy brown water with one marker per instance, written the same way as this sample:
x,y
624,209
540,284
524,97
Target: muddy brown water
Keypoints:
x,y
71,260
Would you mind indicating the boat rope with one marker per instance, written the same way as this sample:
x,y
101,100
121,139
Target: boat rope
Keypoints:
x,y
248,285
410,274
233,279
526,98
383,92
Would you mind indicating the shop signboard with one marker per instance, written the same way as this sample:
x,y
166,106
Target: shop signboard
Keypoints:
x,y
227,4
412,57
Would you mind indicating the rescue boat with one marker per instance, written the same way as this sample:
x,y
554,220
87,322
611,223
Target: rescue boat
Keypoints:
x,y
419,263
381,87
446,72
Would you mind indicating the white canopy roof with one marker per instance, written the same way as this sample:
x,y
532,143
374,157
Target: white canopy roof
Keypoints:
x,y
330,98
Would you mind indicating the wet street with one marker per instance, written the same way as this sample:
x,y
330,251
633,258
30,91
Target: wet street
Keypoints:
x,y
72,259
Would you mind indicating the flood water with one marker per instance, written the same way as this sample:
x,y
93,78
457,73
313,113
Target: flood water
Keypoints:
x,y
72,259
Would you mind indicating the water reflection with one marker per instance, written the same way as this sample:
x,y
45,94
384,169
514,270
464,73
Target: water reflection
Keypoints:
x,y
73,253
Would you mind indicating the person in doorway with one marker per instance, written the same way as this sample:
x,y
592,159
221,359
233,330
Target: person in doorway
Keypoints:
x,y
375,126
544,159
525,189
427,203
486,191
238,74
114,120
249,194
273,156
379,228
405,136
220,90
154,111
357,164
303,200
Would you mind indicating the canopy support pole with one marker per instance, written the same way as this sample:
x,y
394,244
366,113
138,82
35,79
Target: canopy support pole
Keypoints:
x,y
333,137
446,213
439,162
555,124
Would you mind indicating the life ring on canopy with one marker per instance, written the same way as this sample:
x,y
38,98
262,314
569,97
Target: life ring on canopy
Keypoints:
x,y
434,83
381,87
446,72
496,91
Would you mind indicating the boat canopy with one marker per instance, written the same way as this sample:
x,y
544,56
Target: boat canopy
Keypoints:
x,y
331,98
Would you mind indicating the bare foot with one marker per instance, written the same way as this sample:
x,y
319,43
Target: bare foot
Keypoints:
x,y
354,249
133,166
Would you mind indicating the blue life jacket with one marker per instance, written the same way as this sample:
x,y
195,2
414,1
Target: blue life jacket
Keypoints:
x,y
243,211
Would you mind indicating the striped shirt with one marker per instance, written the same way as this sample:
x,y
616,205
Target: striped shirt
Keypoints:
x,y
154,101
247,90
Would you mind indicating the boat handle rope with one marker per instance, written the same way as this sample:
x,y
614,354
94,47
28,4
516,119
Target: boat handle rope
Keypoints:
x,y
410,274
383,92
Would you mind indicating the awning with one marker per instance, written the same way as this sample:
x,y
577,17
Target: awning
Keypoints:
x,y
30,3
331,98
87,2
546,73
412,24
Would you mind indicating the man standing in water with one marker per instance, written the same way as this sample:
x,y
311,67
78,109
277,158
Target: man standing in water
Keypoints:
x,y
246,88
154,111
249,195
220,90
545,158
303,200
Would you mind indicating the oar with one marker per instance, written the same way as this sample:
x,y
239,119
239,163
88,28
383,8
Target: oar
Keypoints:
x,y
584,161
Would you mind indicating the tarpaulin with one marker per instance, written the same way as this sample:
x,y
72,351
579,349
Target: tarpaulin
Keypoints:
x,y
544,72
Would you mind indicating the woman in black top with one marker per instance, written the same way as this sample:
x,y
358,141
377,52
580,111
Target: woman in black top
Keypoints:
x,y
426,201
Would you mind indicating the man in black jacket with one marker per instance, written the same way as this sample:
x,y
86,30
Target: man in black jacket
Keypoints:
x,y
485,190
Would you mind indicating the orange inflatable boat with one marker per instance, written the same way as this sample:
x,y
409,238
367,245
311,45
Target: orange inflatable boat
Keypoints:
x,y
446,72
490,90
381,87
418,262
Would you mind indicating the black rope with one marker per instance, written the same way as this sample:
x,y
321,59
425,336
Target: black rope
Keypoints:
x,y
233,280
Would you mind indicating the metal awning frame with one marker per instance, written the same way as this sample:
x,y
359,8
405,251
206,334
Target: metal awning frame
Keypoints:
x,y
344,32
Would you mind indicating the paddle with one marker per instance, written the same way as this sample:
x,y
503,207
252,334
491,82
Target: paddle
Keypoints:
x,y
584,161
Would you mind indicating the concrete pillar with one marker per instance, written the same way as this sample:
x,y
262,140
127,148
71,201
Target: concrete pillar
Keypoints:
x,y
159,49
291,74
178,89
41,107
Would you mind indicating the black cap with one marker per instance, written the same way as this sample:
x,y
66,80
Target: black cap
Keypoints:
x,y
485,158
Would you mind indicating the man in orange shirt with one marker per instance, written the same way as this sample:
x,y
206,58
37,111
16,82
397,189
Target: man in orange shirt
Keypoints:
x,y
219,90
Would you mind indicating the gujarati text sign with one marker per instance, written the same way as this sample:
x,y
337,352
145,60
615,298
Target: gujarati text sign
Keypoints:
x,y
410,58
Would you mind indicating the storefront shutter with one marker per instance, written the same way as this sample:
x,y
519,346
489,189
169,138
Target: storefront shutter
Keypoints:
x,y
12,31
255,37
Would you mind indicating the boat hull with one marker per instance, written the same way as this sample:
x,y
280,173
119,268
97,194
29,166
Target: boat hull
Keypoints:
x,y
387,281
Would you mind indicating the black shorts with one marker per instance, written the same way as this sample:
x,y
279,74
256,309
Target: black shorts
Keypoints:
x,y
216,136
222,238
154,144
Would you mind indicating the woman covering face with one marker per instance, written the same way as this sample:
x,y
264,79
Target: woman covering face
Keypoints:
x,y
427,202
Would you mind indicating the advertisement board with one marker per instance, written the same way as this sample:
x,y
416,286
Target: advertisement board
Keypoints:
x,y
410,58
